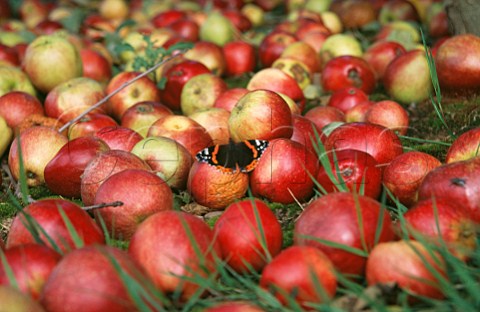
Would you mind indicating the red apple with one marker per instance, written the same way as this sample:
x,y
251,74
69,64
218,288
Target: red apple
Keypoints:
x,y
47,27
238,19
31,265
305,53
167,17
389,114
348,219
249,235
89,124
215,121
316,39
395,10
345,99
306,132
210,55
260,114
175,248
300,273
16,105
403,176
118,137
142,115
358,112
240,58
382,53
272,45
408,264
8,55
50,215
95,66
465,146
437,23
103,166
322,116
201,92
284,173
186,29
355,14
14,299
229,98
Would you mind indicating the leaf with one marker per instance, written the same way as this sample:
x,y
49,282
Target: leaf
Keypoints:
x,y
74,21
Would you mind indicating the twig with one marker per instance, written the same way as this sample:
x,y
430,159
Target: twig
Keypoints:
x,y
124,85
103,205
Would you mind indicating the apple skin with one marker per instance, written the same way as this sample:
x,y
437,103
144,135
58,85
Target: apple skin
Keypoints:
x,y
167,17
16,105
163,248
249,234
46,213
31,265
14,79
357,170
389,114
142,115
201,92
382,53
380,142
295,69
400,262
96,66
234,306
215,121
186,28
144,89
210,55
35,156
7,136
89,124
47,52
358,113
403,176
63,172
17,301
283,174
240,58
345,99
88,279
71,98
102,166
118,137
348,71
441,221
213,188
354,14
465,146
142,193
322,116
260,114
457,182
229,98
217,28
305,132
305,53
272,46
335,217
8,55
339,45
298,269
395,10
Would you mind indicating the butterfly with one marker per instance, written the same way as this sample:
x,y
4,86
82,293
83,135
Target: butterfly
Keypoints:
x,y
231,157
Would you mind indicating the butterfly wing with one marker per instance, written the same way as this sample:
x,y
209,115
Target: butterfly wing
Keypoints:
x,y
247,153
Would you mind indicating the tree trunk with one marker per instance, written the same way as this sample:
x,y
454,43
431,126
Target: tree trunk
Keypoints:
x,y
463,16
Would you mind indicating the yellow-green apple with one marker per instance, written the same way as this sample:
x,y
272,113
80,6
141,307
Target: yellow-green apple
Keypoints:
x,y
229,98
465,146
401,31
95,66
38,146
16,105
104,165
210,55
168,159
254,13
182,129
63,173
272,46
71,98
240,58
14,79
403,176
115,10
260,114
118,137
346,98
407,77
89,124
7,135
142,115
305,53
323,116
215,121
13,298
155,246
332,21
50,215
338,45
49,52
296,69
143,89
200,92
348,219
142,193
389,114
382,53
217,29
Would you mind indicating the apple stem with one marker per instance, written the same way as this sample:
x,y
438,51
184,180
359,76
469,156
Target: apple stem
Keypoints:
x,y
120,88
103,205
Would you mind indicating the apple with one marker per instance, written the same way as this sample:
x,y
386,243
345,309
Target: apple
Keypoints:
x,y
167,17
395,10
142,193
348,219
457,63
307,23
118,137
32,12
168,159
404,32
305,131
405,173
14,79
465,146
272,46
316,39
380,142
36,120
71,98
186,29
301,273
104,165
260,114
215,121
348,71
254,13
142,115
323,116
15,300
8,55
229,98
34,154
352,171
92,278
234,306
143,89
177,76
201,92
437,20
355,14
213,188
63,172
410,265
182,129
457,182
210,55
50,214
340,45
47,27
89,124
382,53
16,105
49,52
305,53
238,19
346,98
240,58
176,248
295,69
276,80
439,221
358,112
95,66
31,265
249,235
407,78
389,114
7,135
284,173
217,28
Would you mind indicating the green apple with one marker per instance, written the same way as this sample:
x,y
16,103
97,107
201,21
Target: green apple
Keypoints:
x,y
13,79
340,44
6,136
217,29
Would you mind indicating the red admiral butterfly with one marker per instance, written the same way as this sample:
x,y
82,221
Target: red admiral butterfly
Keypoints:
x,y
231,157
